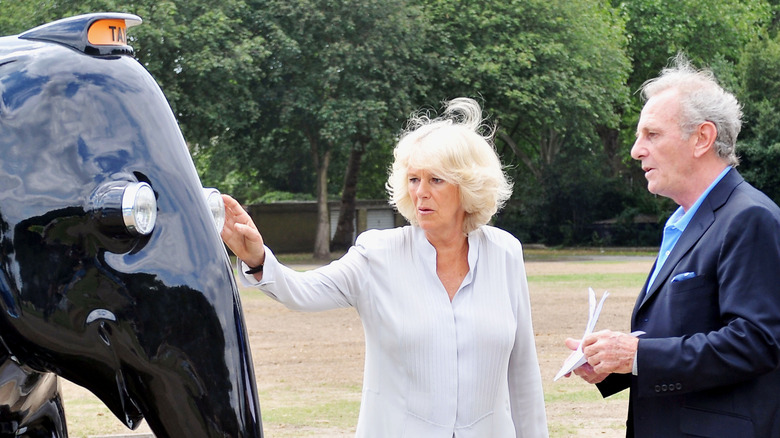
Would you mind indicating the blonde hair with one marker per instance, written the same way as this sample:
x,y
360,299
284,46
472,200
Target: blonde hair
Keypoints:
x,y
452,147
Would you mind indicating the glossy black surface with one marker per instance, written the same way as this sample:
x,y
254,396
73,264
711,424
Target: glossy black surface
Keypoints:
x,y
152,325
31,402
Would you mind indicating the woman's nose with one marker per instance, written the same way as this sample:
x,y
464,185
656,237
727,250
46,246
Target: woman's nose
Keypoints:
x,y
423,189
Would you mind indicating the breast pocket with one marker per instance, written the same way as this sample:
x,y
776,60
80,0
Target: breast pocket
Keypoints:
x,y
690,284
694,304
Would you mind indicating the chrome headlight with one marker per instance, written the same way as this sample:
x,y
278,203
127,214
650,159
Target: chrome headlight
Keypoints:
x,y
124,208
139,208
216,205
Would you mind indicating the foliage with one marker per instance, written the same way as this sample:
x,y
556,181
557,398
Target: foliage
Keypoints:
x,y
712,36
549,72
560,209
16,17
198,51
659,29
759,167
760,149
759,72
339,75
276,196
273,96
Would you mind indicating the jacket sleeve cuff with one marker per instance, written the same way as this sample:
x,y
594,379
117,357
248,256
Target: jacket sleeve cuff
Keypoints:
x,y
269,267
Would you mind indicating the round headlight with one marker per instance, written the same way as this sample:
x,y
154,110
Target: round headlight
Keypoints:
x,y
139,208
216,205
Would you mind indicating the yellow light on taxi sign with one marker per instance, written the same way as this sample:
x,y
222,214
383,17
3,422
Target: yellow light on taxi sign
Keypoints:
x,y
109,32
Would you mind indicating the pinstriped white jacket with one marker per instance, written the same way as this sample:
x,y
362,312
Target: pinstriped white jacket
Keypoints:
x,y
433,368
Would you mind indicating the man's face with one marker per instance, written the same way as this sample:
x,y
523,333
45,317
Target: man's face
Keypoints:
x,y
666,156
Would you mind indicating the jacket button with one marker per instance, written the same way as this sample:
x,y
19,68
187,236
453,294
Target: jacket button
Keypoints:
x,y
678,386
657,388
664,388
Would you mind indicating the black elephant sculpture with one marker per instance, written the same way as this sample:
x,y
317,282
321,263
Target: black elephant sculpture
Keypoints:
x,y
112,271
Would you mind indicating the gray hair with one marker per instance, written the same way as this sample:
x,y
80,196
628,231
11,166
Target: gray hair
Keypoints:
x,y
702,99
452,147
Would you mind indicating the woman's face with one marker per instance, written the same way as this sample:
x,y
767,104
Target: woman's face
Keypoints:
x,y
437,203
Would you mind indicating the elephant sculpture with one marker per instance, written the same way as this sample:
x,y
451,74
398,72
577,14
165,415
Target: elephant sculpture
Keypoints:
x,y
112,271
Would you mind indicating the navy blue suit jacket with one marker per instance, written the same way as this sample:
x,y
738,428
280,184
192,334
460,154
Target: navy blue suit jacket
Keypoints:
x,y
708,363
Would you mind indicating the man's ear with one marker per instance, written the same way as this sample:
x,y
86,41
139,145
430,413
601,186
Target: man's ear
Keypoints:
x,y
705,134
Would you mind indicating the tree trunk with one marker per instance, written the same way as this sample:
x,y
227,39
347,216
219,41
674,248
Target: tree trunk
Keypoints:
x,y
520,154
322,239
345,230
321,163
550,146
610,139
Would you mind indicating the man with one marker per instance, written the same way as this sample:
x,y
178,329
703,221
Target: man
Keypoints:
x,y
707,364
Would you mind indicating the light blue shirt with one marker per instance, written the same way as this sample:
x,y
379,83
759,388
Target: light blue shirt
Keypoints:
x,y
675,226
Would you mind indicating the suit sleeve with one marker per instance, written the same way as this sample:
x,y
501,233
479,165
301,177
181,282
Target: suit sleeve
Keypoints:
x,y
725,323
613,384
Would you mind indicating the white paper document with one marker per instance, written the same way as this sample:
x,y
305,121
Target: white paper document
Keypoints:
x,y
577,357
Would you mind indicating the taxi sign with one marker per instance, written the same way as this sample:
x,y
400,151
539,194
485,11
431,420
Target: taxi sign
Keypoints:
x,y
99,34
108,33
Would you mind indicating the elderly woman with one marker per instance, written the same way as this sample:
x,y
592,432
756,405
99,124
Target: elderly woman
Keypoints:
x,y
444,302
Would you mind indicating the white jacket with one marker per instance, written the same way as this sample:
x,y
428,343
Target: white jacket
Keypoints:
x,y
433,368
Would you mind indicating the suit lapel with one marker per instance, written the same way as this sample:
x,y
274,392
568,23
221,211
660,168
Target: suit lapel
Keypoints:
x,y
700,222
693,232
642,295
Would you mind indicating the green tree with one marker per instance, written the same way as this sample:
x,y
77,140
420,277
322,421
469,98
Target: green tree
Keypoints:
x,y
342,73
16,17
550,72
712,35
659,29
759,148
552,75
259,86
201,53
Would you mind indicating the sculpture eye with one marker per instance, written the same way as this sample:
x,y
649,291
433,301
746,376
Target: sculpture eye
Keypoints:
x,y
125,208
139,208
216,205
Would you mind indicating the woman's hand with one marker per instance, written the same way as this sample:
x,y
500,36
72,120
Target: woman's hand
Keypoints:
x,y
241,235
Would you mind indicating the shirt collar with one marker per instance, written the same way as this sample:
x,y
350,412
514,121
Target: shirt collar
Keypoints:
x,y
428,252
681,218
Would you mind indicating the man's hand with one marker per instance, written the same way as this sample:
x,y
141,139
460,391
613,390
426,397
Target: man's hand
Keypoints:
x,y
610,352
585,371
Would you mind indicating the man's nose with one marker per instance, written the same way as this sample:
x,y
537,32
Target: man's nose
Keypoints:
x,y
637,150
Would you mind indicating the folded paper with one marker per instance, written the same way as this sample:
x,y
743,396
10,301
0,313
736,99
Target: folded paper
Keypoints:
x,y
577,357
